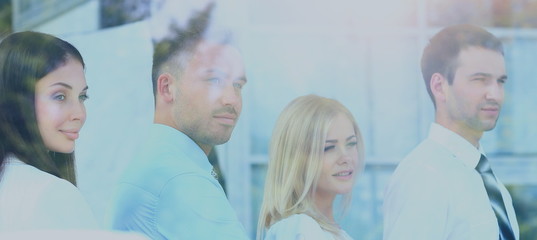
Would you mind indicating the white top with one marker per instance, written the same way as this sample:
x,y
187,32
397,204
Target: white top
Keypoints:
x,y
300,227
31,199
436,193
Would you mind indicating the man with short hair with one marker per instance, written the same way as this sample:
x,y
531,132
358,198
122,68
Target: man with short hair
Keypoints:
x,y
170,190
445,189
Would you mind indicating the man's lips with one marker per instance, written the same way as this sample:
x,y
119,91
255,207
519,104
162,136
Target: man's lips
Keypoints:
x,y
228,119
491,110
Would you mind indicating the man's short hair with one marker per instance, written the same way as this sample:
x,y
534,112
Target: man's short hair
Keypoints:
x,y
172,53
442,52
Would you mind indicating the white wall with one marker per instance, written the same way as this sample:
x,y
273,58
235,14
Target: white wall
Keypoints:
x,y
81,19
118,73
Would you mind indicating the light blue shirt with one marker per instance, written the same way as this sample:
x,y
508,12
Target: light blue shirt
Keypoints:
x,y
169,193
436,193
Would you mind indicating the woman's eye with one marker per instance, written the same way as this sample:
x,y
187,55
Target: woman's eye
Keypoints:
x,y
328,148
59,97
215,80
352,144
83,97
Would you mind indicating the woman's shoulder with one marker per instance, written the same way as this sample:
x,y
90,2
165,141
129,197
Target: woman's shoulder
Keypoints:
x,y
26,176
297,226
22,175
302,220
38,199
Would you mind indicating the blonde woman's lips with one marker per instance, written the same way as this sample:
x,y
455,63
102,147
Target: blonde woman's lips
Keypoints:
x,y
347,174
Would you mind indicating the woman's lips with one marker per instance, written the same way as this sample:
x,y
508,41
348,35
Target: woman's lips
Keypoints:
x,y
71,134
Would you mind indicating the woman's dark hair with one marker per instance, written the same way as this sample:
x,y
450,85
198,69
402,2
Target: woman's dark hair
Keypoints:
x,y
25,58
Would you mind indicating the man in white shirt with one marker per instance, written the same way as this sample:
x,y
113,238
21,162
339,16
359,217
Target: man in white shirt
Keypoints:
x,y
445,189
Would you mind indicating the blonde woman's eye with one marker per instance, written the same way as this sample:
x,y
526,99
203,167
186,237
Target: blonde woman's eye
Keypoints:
x,y
352,144
215,80
328,148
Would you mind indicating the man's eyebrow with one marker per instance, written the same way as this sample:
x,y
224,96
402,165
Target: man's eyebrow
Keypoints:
x,y
217,71
481,74
243,78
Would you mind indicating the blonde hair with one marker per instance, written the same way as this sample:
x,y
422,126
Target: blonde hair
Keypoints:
x,y
296,151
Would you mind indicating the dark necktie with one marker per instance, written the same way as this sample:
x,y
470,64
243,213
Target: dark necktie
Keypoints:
x,y
495,197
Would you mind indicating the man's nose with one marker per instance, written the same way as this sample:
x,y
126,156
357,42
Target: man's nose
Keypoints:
x,y
230,95
495,92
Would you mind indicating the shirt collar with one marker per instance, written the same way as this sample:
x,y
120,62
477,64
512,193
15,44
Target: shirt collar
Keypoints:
x,y
178,143
12,159
457,145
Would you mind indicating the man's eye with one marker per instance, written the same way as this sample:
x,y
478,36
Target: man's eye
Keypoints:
x,y
237,85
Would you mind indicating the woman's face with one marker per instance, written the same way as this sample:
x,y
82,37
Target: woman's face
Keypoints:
x,y
339,167
59,102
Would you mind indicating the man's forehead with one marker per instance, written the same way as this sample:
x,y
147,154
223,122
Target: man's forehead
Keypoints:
x,y
215,58
479,60
480,55
478,50
210,52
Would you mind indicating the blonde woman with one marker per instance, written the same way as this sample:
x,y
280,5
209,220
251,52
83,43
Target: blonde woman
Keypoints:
x,y
316,154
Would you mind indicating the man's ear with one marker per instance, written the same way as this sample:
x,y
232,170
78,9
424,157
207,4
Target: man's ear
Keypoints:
x,y
438,87
165,87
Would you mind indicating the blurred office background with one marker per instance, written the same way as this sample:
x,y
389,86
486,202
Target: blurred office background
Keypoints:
x,y
363,53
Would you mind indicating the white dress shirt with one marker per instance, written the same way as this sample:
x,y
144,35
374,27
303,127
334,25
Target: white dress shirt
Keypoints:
x,y
31,199
435,193
300,227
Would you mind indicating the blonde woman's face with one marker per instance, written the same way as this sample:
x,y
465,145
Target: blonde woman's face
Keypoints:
x,y
59,103
340,159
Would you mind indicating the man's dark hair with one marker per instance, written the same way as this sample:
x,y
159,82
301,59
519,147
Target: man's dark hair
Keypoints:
x,y
179,43
442,52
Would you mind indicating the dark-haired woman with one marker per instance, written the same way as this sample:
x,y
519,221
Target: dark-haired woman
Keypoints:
x,y
42,94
